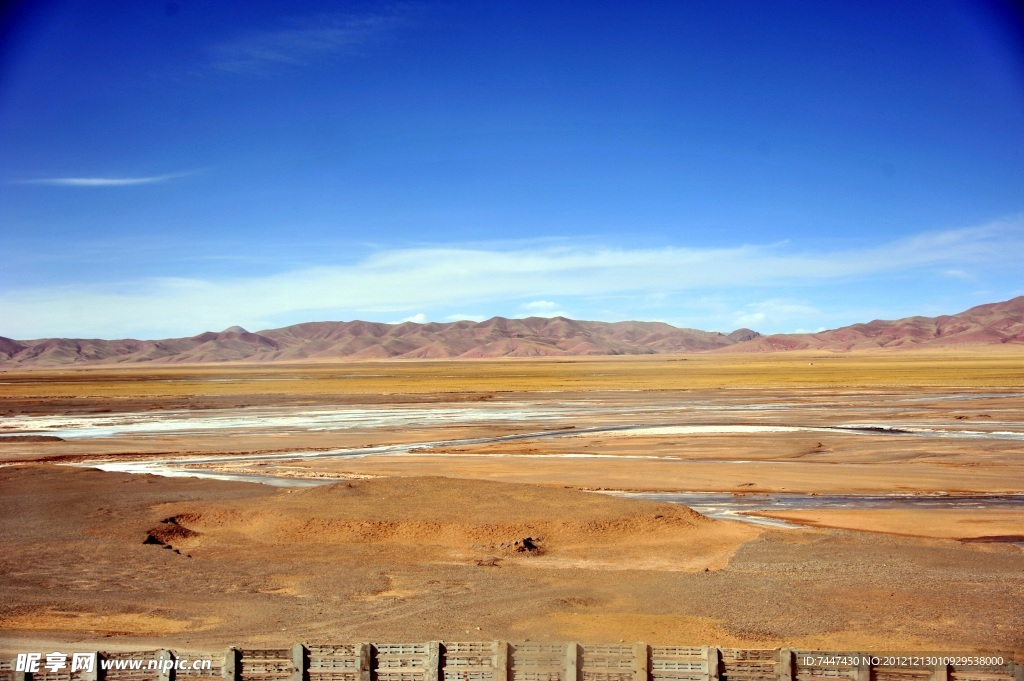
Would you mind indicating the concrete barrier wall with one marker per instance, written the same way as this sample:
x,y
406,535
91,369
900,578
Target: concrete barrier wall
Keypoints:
x,y
515,661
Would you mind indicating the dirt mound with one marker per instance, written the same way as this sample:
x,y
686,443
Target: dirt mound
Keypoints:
x,y
432,520
487,502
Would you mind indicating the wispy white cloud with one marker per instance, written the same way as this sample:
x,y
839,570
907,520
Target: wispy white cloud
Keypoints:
x,y
406,281
102,181
418,318
304,41
543,308
540,306
773,312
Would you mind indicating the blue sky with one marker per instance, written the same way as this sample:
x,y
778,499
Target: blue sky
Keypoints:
x,y
172,167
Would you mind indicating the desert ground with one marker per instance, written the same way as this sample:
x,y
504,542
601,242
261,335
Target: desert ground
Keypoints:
x,y
846,501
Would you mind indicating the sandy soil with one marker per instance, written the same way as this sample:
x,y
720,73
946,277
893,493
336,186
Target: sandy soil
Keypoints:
x,y
667,475
430,558
969,525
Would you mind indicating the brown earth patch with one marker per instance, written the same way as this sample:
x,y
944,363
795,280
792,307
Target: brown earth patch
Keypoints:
x,y
400,560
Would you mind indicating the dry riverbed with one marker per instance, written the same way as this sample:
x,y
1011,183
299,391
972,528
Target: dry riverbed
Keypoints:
x,y
444,466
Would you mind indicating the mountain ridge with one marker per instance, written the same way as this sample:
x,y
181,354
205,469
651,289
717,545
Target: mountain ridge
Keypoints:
x,y
992,323
988,324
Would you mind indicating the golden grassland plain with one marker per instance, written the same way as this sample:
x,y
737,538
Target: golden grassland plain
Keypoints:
x,y
962,367
398,553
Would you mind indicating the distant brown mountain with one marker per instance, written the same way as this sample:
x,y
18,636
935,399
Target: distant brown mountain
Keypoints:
x,y
996,323
992,324
496,337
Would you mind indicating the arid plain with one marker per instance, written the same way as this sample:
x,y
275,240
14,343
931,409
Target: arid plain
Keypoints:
x,y
849,500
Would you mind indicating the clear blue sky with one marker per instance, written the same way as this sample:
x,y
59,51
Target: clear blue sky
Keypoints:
x,y
172,167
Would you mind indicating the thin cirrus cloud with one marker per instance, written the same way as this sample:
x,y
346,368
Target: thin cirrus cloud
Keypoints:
x,y
394,283
756,314
103,181
302,43
542,308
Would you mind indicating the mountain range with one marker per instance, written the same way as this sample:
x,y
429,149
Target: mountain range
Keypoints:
x,y
995,323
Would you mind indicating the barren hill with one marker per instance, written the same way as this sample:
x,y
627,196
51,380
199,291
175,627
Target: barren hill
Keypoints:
x,y
496,337
996,323
991,324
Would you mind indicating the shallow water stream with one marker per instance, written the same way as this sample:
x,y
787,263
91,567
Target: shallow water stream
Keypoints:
x,y
728,416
